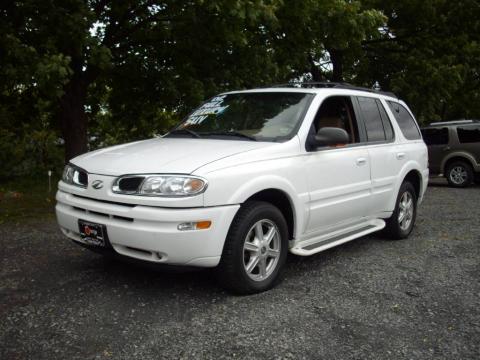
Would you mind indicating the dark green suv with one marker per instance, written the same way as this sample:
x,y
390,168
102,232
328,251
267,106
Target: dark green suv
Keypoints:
x,y
454,150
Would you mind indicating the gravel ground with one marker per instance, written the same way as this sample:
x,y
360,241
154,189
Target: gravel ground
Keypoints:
x,y
371,298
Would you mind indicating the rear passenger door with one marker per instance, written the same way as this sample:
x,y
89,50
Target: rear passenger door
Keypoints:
x,y
437,140
386,159
469,140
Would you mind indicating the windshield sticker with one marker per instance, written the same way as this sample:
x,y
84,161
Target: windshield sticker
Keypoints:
x,y
213,107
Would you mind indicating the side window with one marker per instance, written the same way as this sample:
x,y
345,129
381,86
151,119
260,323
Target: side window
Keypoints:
x,y
468,134
405,121
387,125
372,118
337,111
435,136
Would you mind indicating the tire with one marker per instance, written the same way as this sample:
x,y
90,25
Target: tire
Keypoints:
x,y
243,248
459,174
397,227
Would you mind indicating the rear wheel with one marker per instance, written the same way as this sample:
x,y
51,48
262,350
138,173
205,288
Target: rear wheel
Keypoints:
x,y
459,174
401,223
255,249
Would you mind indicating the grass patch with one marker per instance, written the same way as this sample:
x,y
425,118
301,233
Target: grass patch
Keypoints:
x,y
26,199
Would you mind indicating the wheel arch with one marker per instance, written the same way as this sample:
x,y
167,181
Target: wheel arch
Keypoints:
x,y
457,157
415,178
281,193
280,200
412,173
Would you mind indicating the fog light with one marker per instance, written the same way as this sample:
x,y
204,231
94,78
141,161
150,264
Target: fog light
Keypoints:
x,y
194,225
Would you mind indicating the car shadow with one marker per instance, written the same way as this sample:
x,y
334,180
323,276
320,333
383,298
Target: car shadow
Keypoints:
x,y
438,182
146,279
442,183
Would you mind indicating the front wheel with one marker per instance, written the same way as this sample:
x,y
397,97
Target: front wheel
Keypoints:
x,y
401,223
255,249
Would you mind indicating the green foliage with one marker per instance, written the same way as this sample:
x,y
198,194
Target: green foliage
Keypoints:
x,y
131,69
429,55
27,199
313,32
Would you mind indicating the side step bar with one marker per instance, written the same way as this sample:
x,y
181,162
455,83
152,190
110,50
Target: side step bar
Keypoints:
x,y
324,242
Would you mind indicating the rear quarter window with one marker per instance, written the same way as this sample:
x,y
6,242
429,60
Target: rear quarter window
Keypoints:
x,y
405,121
435,136
372,118
468,134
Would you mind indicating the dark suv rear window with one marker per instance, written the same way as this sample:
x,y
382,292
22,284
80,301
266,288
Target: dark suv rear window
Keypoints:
x,y
468,134
437,136
405,121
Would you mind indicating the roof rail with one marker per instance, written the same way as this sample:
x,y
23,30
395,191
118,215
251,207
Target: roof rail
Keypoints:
x,y
454,122
327,84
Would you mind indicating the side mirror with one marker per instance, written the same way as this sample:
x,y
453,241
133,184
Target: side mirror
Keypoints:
x,y
331,136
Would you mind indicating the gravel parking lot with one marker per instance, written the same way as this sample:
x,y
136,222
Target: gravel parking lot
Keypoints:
x,y
371,298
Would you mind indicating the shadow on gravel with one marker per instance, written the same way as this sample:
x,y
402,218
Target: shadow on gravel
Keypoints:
x,y
442,183
146,278
150,277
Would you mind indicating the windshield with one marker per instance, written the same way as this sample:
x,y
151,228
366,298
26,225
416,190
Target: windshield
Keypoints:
x,y
260,116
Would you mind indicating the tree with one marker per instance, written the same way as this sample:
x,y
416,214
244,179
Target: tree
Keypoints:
x,y
97,72
324,38
99,43
428,55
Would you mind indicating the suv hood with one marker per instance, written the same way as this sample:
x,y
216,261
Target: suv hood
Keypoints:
x,y
162,155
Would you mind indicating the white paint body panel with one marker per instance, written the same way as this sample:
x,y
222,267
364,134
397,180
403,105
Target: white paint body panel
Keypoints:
x,y
329,190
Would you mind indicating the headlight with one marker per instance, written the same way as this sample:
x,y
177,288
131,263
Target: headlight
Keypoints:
x,y
75,176
159,185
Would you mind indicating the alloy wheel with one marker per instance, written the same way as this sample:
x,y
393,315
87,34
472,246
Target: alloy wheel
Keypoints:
x,y
405,215
458,175
261,250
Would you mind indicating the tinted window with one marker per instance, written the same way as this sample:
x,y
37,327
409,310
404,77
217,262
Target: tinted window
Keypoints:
x,y
405,121
387,125
468,134
372,118
435,136
264,116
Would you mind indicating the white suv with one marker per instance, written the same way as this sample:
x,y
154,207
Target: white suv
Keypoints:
x,y
250,176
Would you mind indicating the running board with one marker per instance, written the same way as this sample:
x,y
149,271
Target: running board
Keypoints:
x,y
313,246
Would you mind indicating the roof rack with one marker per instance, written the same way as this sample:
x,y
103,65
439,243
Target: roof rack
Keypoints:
x,y
327,84
453,122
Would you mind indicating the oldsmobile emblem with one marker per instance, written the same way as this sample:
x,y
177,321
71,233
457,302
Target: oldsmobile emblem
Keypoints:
x,y
97,184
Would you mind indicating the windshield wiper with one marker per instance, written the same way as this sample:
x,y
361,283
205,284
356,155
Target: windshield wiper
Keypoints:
x,y
230,133
188,131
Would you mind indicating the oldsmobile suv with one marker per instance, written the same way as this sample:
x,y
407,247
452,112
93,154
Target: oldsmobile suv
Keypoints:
x,y
250,176
454,150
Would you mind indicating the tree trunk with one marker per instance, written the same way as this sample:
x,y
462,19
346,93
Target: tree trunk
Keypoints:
x,y
336,56
72,117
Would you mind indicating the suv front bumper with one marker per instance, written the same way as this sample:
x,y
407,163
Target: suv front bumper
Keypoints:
x,y
150,233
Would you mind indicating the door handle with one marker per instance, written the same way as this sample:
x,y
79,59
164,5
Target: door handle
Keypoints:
x,y
401,155
361,161
446,148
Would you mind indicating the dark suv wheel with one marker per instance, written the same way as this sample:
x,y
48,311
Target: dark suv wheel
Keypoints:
x,y
459,174
255,249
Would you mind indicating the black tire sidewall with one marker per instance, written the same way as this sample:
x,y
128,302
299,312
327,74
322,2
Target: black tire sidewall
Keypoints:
x,y
468,170
393,225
